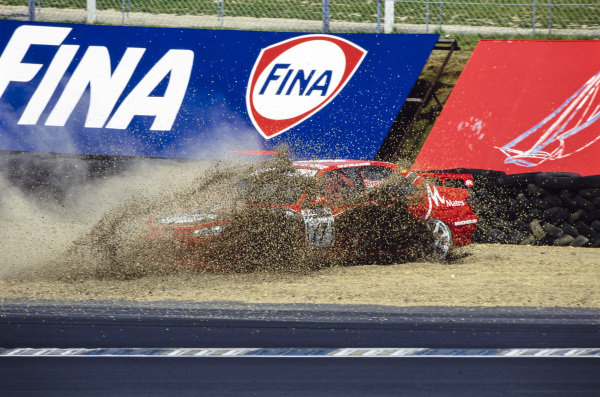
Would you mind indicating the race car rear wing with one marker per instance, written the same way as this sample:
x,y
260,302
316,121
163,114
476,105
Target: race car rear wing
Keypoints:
x,y
448,179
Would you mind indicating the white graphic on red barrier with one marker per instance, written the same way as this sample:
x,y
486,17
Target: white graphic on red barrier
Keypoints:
x,y
567,130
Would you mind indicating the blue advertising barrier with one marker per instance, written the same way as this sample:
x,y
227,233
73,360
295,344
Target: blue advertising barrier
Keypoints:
x,y
186,93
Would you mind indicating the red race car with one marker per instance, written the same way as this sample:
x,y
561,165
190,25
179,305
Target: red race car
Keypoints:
x,y
337,205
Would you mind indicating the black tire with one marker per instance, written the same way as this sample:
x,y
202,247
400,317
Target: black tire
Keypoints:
x,y
584,204
514,237
520,225
569,229
589,193
557,180
553,231
567,200
528,239
517,179
523,201
536,191
591,216
541,203
579,241
495,236
534,213
553,201
563,241
500,210
537,230
595,225
586,231
556,215
588,182
575,216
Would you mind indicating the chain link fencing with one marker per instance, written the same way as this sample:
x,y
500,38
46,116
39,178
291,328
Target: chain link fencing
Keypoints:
x,y
482,17
506,17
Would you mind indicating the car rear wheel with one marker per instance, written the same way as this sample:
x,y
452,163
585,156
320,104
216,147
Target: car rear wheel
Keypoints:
x,y
441,243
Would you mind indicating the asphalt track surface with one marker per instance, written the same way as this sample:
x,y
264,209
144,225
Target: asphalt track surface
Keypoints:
x,y
175,348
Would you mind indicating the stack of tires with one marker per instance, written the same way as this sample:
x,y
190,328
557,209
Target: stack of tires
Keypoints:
x,y
537,208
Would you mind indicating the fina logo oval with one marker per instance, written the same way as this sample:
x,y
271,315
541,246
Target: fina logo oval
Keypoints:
x,y
295,78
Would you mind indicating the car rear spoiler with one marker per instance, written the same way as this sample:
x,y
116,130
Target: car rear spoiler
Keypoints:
x,y
448,179
444,177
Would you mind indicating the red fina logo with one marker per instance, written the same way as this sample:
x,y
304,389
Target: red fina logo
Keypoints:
x,y
294,79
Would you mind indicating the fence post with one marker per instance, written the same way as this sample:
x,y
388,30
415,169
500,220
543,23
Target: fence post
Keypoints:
x,y
31,10
222,13
91,11
325,16
440,14
388,19
533,27
427,16
378,16
550,17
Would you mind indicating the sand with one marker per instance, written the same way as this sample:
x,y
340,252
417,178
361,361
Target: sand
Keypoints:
x,y
34,236
489,275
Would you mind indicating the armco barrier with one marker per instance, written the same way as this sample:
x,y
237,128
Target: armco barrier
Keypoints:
x,y
537,208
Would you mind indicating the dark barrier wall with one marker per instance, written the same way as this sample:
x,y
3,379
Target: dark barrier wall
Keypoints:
x,y
521,107
185,93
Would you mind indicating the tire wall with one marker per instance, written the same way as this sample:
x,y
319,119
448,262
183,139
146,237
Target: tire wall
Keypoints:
x,y
560,209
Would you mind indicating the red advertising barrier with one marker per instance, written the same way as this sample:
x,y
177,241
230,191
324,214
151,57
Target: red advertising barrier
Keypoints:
x,y
522,106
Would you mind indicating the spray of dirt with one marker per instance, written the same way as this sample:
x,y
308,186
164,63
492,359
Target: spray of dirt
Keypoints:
x,y
257,231
120,244
104,229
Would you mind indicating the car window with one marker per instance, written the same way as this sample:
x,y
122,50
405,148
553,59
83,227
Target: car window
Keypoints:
x,y
342,184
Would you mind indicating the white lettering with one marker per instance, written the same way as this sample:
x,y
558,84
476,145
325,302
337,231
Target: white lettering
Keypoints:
x,y
178,65
94,71
105,87
467,222
43,93
11,66
435,195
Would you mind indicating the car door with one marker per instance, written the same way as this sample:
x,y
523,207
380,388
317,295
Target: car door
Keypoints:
x,y
336,189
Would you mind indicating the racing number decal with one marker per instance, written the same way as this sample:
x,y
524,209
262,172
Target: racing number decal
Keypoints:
x,y
318,226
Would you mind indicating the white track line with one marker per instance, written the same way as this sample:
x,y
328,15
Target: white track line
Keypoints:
x,y
301,352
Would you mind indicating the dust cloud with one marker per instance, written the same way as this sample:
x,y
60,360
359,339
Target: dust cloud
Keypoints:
x,y
37,229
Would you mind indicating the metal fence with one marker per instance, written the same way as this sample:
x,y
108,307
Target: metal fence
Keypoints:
x,y
506,17
484,17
